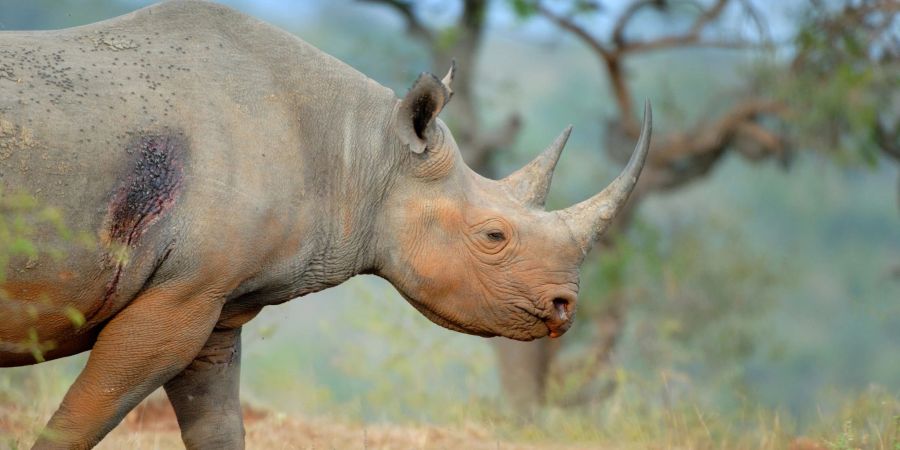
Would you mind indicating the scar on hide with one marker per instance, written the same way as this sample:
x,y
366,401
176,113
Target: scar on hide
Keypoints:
x,y
150,189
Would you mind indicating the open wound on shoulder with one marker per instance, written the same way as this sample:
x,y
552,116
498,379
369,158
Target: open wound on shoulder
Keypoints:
x,y
150,188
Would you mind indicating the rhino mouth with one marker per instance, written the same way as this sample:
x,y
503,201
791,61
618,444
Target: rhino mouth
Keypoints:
x,y
443,321
439,319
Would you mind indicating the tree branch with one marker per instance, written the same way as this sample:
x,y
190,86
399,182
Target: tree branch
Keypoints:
x,y
414,26
567,23
708,16
618,34
476,143
612,58
485,144
759,143
680,158
706,137
671,42
888,141
611,62
691,38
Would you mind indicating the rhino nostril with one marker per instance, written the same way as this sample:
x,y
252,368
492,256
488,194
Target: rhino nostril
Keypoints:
x,y
561,306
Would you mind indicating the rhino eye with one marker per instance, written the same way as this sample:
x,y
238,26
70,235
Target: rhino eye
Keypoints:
x,y
496,236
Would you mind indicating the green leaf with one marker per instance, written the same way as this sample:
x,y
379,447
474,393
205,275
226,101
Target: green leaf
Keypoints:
x,y
448,38
75,316
22,246
523,8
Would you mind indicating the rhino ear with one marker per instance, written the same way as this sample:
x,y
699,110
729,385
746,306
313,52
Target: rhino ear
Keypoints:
x,y
418,110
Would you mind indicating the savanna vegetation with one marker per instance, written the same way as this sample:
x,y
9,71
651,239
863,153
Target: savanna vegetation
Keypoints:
x,y
749,299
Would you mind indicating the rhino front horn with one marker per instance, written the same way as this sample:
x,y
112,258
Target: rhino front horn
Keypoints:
x,y
590,218
531,183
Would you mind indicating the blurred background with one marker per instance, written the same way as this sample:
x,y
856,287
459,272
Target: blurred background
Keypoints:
x,y
751,293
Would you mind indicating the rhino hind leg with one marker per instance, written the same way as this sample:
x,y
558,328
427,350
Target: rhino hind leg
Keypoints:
x,y
143,346
206,395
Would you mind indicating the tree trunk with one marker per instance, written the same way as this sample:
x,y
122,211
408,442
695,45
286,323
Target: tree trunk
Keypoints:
x,y
524,369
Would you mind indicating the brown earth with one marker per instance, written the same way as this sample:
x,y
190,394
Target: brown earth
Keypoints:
x,y
152,425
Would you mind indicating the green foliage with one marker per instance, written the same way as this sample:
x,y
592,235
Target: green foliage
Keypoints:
x,y
842,83
869,421
420,373
20,219
711,283
523,9
28,230
694,297
447,38
526,9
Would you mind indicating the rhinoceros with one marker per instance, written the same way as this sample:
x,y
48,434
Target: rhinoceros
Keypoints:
x,y
223,165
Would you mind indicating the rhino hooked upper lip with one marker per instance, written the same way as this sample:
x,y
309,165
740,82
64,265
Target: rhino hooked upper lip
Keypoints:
x,y
561,316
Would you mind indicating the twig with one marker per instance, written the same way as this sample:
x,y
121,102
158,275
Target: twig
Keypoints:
x,y
413,24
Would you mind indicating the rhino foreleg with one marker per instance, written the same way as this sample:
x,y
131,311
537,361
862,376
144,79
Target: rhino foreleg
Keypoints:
x,y
153,339
206,395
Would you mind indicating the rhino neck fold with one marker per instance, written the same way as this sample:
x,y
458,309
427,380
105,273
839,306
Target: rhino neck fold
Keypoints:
x,y
346,153
347,164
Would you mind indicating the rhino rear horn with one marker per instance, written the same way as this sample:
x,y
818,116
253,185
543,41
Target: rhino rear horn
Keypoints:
x,y
531,183
419,108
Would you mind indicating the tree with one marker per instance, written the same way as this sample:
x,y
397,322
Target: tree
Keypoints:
x,y
679,157
845,51
844,77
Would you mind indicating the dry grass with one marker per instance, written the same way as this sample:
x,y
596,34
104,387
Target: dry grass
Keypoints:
x,y
153,426
871,421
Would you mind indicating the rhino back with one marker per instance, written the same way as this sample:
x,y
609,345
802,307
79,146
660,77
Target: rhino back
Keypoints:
x,y
182,126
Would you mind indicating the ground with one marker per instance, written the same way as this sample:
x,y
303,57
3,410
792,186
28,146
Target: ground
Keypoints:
x,y
152,426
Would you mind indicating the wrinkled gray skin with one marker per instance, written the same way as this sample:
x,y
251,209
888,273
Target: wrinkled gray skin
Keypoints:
x,y
223,165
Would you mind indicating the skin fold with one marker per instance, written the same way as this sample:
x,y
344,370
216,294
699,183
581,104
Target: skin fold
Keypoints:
x,y
221,165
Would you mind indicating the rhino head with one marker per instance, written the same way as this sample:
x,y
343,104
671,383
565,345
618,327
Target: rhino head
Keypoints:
x,y
481,256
